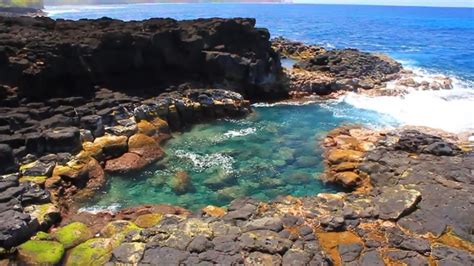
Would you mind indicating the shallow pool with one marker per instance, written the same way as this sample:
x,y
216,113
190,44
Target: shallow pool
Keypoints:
x,y
274,151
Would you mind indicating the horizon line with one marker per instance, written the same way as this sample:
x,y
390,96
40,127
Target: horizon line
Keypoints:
x,y
267,2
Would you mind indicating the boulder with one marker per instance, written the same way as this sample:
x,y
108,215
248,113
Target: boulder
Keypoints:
x,y
94,124
95,251
40,252
16,228
181,183
72,234
148,220
63,140
125,163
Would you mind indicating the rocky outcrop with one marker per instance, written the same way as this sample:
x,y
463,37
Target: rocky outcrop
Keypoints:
x,y
342,70
330,73
296,50
45,58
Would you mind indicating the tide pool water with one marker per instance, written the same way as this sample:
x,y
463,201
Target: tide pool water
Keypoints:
x,y
275,151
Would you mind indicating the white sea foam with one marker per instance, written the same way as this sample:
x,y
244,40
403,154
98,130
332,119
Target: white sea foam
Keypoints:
x,y
57,10
96,209
240,133
450,110
203,162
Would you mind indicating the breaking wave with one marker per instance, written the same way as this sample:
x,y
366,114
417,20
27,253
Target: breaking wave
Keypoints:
x,y
206,161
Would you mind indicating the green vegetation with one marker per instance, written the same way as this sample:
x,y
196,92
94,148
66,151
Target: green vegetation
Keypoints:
x,y
22,3
39,252
73,234
95,251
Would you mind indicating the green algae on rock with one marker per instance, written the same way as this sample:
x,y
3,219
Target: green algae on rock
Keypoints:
x,y
95,251
148,220
40,252
72,234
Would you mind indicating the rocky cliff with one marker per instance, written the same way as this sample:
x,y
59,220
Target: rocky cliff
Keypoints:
x,y
45,58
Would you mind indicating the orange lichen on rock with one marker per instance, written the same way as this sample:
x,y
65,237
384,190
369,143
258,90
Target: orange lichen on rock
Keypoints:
x,y
214,211
450,239
330,240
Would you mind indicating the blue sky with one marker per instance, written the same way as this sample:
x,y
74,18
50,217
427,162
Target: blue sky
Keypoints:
x,y
446,3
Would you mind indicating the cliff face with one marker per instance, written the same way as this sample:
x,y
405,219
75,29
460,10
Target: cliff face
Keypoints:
x,y
47,58
36,4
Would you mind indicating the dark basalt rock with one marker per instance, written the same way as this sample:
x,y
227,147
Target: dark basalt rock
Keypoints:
x,y
352,63
48,58
66,139
7,161
415,141
15,228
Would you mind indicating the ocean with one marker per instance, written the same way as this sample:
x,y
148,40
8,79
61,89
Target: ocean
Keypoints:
x,y
275,151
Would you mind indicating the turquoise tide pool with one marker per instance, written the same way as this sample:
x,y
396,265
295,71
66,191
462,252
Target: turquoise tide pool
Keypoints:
x,y
275,151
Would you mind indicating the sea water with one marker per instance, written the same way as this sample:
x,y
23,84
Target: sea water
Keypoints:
x,y
275,151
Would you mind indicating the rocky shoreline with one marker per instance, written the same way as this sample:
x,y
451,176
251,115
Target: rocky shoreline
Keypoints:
x,y
76,105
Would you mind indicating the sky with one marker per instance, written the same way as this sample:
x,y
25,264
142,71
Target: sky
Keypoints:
x,y
443,3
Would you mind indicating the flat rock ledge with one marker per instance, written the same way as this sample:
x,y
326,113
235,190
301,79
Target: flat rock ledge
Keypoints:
x,y
393,215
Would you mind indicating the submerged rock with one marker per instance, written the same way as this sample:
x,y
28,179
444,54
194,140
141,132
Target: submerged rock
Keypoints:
x,y
181,183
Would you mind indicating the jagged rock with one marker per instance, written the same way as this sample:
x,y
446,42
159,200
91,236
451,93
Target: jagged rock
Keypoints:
x,y
16,228
108,51
46,214
94,124
7,161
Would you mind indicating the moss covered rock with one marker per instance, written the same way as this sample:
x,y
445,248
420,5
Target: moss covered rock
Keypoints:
x,y
148,220
117,230
95,251
39,180
40,252
46,214
72,234
42,236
